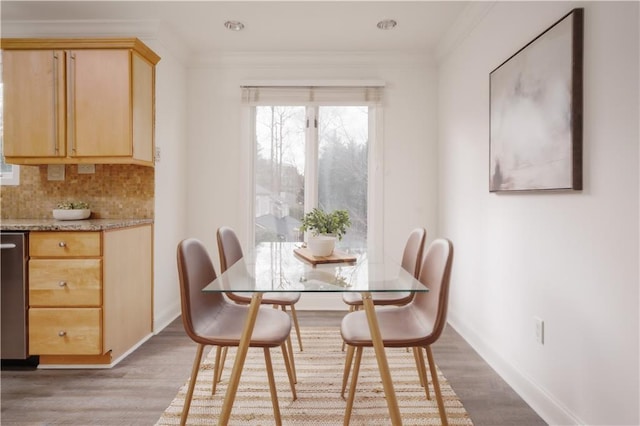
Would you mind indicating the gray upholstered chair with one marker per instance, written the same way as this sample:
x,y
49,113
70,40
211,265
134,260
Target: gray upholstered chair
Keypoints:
x,y
416,325
209,319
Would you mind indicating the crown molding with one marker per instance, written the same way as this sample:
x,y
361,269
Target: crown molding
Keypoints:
x,y
80,28
311,59
466,22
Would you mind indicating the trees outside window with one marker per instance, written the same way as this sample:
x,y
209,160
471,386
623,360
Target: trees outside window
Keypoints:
x,y
310,156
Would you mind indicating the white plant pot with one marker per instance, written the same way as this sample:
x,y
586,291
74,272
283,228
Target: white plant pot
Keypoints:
x,y
75,214
321,245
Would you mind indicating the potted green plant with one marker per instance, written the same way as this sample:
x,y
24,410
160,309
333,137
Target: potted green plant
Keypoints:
x,y
325,228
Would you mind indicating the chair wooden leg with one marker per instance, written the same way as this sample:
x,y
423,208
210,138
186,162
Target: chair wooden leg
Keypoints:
x,y
347,368
294,315
352,389
222,360
418,367
287,364
293,362
192,384
422,371
216,367
272,387
436,387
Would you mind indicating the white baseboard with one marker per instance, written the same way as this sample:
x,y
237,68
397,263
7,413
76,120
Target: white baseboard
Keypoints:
x,y
163,319
543,403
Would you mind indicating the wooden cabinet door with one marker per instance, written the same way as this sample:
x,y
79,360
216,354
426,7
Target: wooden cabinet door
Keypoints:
x,y
34,103
99,116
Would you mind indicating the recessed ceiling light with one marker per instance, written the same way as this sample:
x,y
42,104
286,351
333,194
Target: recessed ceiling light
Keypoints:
x,y
387,24
234,25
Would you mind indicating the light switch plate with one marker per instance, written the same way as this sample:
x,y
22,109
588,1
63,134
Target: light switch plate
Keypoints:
x,y
55,172
539,323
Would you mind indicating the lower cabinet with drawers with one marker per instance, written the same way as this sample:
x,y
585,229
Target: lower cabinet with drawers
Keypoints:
x,y
90,294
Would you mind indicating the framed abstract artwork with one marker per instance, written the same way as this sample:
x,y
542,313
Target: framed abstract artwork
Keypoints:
x,y
536,112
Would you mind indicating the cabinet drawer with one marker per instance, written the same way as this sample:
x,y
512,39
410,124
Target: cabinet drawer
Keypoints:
x,y
65,282
64,244
65,331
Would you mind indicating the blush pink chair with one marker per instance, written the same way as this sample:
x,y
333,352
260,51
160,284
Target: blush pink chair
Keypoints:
x,y
411,259
230,251
418,324
209,319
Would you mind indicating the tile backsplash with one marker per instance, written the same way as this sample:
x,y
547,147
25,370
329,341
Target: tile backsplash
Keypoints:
x,y
114,191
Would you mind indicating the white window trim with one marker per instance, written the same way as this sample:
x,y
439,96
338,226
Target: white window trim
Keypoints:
x,y
11,178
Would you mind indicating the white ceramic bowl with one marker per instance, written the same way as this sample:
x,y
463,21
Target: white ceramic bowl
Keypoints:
x,y
75,214
321,245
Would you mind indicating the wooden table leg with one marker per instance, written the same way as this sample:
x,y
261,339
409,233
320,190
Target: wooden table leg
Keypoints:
x,y
241,355
381,357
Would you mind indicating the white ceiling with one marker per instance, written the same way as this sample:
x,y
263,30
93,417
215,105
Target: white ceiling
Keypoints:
x,y
270,26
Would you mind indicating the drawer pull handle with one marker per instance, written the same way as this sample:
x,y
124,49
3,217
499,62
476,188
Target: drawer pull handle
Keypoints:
x,y
62,244
62,333
62,283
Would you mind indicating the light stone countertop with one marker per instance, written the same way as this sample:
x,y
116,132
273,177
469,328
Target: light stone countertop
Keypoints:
x,y
69,225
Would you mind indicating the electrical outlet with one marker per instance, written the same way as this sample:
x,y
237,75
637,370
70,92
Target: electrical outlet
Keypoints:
x,y
539,323
86,169
157,155
55,172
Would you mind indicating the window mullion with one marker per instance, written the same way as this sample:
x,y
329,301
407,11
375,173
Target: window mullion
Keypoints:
x,y
311,160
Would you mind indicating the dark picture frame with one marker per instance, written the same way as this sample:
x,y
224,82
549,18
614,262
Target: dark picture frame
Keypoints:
x,y
536,112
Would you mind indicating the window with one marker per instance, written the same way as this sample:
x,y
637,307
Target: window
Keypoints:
x,y
312,154
9,173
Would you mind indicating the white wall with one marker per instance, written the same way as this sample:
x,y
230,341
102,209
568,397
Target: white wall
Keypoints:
x,y
217,160
170,225
570,258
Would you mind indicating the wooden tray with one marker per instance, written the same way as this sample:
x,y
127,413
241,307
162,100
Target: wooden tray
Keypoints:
x,y
336,257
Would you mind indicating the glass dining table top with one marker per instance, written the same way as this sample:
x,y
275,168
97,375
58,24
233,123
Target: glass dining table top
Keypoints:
x,y
275,267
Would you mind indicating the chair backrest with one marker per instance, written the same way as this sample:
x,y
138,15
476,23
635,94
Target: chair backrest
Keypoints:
x,y
229,248
413,249
435,273
195,271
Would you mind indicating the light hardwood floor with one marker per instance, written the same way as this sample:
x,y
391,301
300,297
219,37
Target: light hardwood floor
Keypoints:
x,y
137,391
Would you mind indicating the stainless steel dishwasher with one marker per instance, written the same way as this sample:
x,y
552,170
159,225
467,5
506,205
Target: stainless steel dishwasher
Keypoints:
x,y
13,283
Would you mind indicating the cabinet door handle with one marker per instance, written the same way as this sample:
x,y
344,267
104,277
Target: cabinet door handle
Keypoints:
x,y
71,102
62,244
62,283
62,333
55,102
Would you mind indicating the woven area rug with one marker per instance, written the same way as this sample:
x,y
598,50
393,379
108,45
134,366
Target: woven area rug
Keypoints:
x,y
319,371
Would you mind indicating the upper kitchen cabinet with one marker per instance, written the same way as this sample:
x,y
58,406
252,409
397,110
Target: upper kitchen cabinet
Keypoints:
x,y
70,101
